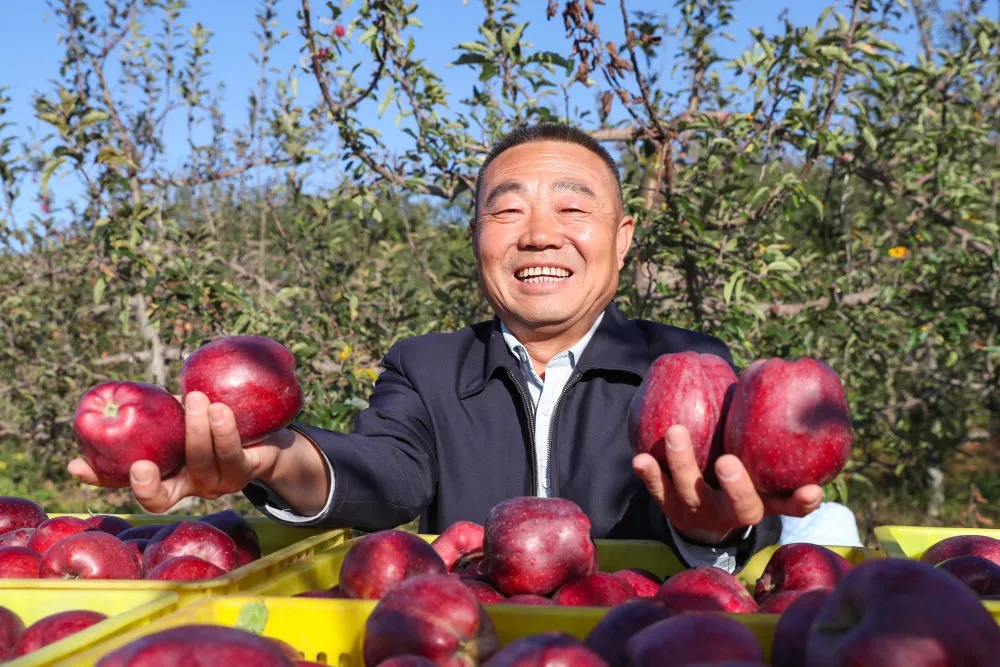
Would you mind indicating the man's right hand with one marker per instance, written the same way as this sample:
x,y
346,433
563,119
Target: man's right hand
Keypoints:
x,y
216,462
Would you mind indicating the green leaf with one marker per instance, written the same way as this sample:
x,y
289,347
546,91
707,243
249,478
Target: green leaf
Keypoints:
x,y
780,265
93,116
869,138
469,59
984,42
100,286
390,93
253,617
511,39
727,290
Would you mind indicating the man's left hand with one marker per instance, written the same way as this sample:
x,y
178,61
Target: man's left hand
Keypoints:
x,y
705,514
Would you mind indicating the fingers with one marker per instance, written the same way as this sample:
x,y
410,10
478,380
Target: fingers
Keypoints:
x,y
648,470
154,494
199,452
82,471
802,501
231,462
745,504
685,476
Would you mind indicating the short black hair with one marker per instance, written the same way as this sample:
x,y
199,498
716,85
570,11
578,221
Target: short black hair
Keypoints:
x,y
526,134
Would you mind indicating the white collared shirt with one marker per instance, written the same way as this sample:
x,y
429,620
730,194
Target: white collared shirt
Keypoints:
x,y
545,394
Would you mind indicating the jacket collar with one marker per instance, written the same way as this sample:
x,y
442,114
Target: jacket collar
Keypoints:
x,y
617,345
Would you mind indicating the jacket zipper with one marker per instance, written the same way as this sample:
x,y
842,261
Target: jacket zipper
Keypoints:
x,y
552,423
531,427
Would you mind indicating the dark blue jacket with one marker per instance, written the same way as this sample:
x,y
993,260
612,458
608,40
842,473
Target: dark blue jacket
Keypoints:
x,y
448,432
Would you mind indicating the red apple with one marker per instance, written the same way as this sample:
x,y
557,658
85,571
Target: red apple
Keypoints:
x,y
893,612
800,566
238,528
979,574
644,582
791,634
789,424
19,513
963,545
119,423
609,638
685,388
255,376
693,637
535,545
54,627
90,555
378,561
19,563
546,648
191,538
199,644
461,538
184,568
706,588
601,589
19,537
11,628
109,523
51,531
407,660
779,602
483,591
528,598
433,615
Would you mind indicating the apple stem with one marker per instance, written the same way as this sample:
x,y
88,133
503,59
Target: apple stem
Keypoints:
x,y
110,409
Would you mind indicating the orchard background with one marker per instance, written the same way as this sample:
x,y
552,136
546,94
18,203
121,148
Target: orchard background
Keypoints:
x,y
813,188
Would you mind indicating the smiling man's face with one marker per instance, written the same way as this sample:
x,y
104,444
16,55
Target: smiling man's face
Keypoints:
x,y
550,238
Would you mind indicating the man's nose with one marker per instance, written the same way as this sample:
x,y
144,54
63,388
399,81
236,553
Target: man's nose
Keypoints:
x,y
541,231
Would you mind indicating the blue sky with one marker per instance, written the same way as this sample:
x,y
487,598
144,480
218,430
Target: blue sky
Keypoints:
x,y
30,52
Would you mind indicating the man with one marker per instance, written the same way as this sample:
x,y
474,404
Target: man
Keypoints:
x,y
533,403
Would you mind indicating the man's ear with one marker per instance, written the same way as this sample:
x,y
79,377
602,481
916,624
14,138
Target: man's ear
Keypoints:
x,y
623,239
472,234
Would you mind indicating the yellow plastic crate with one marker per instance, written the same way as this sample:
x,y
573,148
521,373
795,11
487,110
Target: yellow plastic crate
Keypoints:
x,y
323,571
332,631
912,541
281,546
126,610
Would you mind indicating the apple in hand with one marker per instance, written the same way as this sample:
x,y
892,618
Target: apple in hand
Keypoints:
x,y
379,561
51,531
20,513
19,563
896,612
11,628
535,545
705,588
685,388
461,538
789,424
54,627
119,423
89,555
433,615
253,375
199,644
191,538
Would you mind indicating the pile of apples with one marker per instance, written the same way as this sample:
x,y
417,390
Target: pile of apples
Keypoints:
x,y
35,546
434,601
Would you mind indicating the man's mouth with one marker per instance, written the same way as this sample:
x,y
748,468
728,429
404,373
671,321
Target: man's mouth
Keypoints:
x,y
542,274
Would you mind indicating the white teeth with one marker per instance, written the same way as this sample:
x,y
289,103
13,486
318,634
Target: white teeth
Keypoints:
x,y
550,272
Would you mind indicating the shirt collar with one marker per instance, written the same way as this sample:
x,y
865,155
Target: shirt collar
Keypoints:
x,y
515,346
